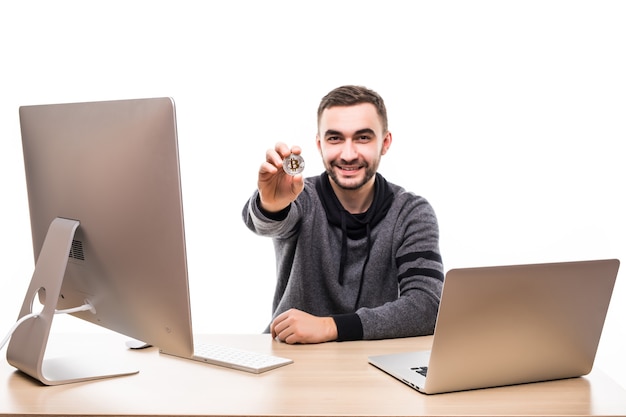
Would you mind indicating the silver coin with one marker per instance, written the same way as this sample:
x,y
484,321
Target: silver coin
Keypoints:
x,y
293,164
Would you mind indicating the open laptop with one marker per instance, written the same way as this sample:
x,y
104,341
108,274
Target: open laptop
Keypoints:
x,y
510,325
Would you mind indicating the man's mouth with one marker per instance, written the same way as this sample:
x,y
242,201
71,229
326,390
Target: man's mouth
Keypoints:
x,y
348,170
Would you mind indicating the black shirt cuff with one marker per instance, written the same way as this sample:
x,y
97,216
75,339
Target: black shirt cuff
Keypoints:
x,y
279,216
349,327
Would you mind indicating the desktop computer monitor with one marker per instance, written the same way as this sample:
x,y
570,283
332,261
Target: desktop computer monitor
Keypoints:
x,y
104,193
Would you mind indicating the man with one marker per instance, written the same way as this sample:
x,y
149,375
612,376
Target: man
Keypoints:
x,y
357,257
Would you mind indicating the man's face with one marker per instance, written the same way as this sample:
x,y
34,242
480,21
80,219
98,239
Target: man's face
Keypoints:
x,y
351,141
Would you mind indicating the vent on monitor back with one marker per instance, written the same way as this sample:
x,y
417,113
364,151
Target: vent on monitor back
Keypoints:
x,y
76,251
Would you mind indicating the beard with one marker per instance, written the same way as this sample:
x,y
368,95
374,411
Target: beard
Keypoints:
x,y
351,183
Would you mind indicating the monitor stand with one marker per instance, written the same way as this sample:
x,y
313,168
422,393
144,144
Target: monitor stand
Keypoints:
x,y
26,350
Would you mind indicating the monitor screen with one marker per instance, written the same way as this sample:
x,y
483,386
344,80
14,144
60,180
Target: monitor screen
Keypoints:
x,y
111,167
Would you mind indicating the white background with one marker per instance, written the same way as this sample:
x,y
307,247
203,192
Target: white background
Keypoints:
x,y
508,116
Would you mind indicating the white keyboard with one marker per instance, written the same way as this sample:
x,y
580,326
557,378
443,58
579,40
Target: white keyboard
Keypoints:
x,y
242,360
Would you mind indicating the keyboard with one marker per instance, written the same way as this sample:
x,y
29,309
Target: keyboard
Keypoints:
x,y
422,370
240,359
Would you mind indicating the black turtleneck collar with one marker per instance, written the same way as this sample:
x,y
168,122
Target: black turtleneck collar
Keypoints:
x,y
355,224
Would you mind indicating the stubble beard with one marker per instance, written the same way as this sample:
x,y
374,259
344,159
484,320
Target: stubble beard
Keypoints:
x,y
370,171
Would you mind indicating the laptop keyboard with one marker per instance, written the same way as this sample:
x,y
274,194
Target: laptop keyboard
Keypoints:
x,y
422,370
242,360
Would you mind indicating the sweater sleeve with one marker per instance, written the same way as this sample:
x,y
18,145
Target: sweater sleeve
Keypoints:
x,y
264,223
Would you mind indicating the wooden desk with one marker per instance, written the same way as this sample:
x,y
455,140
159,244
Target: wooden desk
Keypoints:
x,y
325,380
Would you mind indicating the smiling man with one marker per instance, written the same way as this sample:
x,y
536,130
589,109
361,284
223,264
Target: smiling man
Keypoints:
x,y
357,257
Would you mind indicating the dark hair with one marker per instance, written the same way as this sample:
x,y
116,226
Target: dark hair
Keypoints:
x,y
349,95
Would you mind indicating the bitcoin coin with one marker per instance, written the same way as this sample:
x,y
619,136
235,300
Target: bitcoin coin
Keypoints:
x,y
293,164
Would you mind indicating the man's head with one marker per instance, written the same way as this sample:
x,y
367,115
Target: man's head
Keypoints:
x,y
352,136
349,95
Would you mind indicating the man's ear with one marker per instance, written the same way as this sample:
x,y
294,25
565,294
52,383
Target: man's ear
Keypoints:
x,y
386,143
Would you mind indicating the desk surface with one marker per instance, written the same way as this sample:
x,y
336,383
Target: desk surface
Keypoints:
x,y
324,380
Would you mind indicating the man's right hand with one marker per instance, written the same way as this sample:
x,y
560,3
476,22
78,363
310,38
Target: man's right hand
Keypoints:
x,y
277,189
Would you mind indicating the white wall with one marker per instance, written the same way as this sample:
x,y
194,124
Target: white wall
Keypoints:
x,y
507,116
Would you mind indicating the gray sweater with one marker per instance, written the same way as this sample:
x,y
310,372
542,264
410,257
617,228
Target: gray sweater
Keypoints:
x,y
393,292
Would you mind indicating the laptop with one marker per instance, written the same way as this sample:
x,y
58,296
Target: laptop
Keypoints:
x,y
506,325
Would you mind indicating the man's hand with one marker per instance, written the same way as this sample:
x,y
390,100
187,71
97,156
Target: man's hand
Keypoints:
x,y
277,189
295,326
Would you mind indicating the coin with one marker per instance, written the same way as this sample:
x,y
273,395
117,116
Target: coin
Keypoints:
x,y
293,164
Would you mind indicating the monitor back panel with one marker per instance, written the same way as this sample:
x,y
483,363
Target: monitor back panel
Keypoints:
x,y
113,166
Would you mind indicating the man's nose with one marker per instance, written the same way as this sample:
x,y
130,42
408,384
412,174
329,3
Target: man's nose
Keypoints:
x,y
349,151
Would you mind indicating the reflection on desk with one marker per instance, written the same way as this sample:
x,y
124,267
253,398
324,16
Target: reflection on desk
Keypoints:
x,y
324,380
